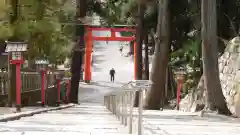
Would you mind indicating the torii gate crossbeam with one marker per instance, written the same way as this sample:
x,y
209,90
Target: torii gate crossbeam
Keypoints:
x,y
89,38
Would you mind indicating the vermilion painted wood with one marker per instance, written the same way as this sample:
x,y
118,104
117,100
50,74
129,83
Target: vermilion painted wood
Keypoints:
x,y
18,86
179,87
18,82
43,86
88,52
111,29
58,91
67,91
112,38
135,63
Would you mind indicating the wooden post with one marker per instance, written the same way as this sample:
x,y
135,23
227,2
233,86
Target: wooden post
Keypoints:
x,y
135,62
179,87
58,92
87,62
18,87
67,91
9,82
43,87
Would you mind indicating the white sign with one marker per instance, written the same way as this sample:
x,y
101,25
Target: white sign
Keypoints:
x,y
41,62
16,47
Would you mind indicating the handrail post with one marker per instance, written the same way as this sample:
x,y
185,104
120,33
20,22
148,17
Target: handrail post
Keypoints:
x,y
131,113
122,110
121,104
126,108
108,100
140,107
119,109
104,100
114,104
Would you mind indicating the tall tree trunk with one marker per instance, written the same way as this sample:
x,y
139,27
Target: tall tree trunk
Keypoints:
x,y
139,41
215,97
155,96
152,42
146,60
78,51
12,74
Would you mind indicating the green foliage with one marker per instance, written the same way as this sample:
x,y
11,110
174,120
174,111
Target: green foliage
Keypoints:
x,y
40,23
188,58
5,30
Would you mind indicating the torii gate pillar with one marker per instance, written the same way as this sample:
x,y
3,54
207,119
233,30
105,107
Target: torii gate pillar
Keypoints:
x,y
134,60
87,60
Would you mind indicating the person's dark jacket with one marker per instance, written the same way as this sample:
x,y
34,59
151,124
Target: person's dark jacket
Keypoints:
x,y
112,72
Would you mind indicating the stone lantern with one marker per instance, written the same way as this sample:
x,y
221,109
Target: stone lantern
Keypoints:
x,y
16,50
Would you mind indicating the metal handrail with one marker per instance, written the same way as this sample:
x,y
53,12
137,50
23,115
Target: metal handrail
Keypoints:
x,y
120,103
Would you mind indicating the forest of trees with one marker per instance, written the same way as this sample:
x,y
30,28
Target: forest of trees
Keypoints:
x,y
184,34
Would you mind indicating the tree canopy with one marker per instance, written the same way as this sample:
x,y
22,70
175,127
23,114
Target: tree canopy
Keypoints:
x,y
39,22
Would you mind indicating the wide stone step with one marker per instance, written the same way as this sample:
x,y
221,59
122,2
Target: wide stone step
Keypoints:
x,y
59,133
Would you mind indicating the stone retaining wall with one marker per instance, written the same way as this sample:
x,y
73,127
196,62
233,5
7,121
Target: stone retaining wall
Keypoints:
x,y
229,72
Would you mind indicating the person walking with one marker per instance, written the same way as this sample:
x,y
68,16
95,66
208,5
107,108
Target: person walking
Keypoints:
x,y
121,48
112,74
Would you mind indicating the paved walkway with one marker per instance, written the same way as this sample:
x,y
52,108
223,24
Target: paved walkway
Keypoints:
x,y
87,119
10,110
172,122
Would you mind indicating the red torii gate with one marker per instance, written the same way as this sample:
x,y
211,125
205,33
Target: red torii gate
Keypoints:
x,y
88,46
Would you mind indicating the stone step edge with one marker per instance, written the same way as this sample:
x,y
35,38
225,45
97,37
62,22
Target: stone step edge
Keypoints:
x,y
16,116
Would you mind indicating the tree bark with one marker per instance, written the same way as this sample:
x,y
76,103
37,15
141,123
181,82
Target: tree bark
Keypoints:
x,y
155,96
146,60
77,51
215,97
153,45
139,41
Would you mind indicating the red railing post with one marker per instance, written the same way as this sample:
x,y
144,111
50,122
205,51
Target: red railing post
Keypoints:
x,y
43,87
18,87
58,92
67,91
179,87
18,83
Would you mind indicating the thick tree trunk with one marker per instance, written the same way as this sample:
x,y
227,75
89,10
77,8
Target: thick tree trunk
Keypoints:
x,y
77,51
146,60
139,41
155,96
152,43
215,97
